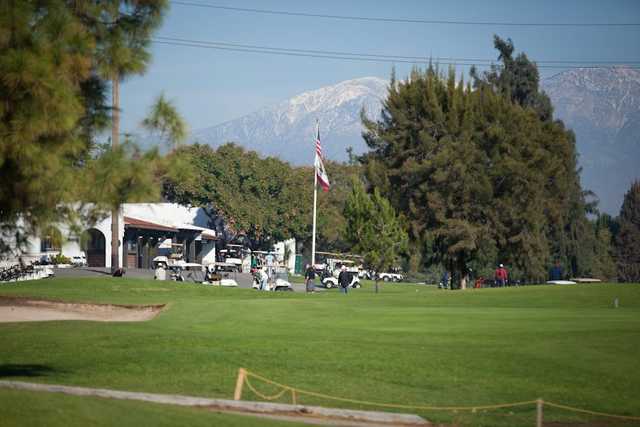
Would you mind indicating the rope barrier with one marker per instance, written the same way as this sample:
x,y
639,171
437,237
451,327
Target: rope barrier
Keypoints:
x,y
297,391
384,405
586,411
263,396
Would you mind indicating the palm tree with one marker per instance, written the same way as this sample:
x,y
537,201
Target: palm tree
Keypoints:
x,y
123,30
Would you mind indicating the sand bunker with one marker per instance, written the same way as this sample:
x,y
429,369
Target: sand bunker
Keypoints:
x,y
29,310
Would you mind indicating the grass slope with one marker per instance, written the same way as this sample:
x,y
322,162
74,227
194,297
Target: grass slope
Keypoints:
x,y
409,344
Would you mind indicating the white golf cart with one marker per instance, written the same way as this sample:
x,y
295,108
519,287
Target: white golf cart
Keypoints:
x,y
232,256
218,274
329,277
390,277
173,261
278,280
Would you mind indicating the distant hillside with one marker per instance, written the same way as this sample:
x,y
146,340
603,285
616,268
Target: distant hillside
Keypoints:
x,y
602,106
287,129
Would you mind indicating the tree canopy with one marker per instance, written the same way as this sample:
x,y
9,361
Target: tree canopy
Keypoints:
x,y
628,239
260,199
374,229
481,173
165,121
53,102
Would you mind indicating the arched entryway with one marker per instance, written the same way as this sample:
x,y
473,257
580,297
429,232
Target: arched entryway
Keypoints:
x,y
94,244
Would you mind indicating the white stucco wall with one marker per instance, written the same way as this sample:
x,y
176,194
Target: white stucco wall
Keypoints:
x,y
208,252
170,214
70,243
279,248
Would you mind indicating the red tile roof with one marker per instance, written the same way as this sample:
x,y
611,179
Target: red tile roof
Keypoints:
x,y
209,235
138,223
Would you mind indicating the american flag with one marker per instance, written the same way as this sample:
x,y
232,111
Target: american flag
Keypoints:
x,y
321,173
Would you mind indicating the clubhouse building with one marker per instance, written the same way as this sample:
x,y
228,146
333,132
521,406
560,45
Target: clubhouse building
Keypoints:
x,y
144,229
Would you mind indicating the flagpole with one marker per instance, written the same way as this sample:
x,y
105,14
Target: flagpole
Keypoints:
x,y
315,199
313,239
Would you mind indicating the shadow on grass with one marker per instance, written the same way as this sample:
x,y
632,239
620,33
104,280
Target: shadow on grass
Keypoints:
x,y
17,370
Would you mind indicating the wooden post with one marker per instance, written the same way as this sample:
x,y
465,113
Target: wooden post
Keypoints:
x,y
239,383
539,412
293,396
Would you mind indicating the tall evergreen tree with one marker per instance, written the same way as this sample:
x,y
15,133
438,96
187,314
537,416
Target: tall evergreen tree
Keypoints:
x,y
516,78
122,30
166,122
479,171
45,56
53,101
628,239
374,229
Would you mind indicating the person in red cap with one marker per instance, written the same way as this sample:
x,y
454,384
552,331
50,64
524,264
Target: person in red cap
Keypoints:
x,y
501,276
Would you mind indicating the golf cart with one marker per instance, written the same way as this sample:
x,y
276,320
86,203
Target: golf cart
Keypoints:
x,y
220,274
232,257
391,277
278,280
173,261
170,255
329,276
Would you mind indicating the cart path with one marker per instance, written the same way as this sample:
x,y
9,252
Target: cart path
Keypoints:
x,y
299,413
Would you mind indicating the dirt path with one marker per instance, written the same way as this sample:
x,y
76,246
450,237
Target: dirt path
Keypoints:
x,y
30,310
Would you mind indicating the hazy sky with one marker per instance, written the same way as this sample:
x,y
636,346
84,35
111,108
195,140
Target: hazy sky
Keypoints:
x,y
212,86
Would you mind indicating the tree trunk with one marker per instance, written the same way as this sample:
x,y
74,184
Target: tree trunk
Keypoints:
x,y
463,282
115,136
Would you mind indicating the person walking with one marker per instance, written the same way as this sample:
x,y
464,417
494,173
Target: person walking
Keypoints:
x,y
344,280
310,279
501,276
264,279
444,281
555,273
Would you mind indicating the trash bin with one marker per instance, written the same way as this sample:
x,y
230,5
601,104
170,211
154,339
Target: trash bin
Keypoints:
x,y
160,274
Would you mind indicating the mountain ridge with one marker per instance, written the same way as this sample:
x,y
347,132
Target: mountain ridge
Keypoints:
x,y
602,106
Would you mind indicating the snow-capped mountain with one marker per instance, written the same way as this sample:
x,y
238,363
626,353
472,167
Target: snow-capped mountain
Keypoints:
x,y
602,106
287,129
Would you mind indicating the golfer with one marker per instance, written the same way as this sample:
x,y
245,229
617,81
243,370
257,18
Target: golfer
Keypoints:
x,y
344,280
310,279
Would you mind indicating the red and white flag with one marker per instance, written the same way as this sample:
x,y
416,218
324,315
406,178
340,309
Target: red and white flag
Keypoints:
x,y
321,173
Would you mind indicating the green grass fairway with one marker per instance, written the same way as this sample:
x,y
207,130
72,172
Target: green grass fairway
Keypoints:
x,y
22,408
410,344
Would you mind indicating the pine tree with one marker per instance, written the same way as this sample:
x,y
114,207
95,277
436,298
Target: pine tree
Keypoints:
x,y
628,239
374,229
53,102
45,57
480,172
166,122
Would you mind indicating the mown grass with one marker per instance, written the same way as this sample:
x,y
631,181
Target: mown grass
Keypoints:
x,y
409,344
24,409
